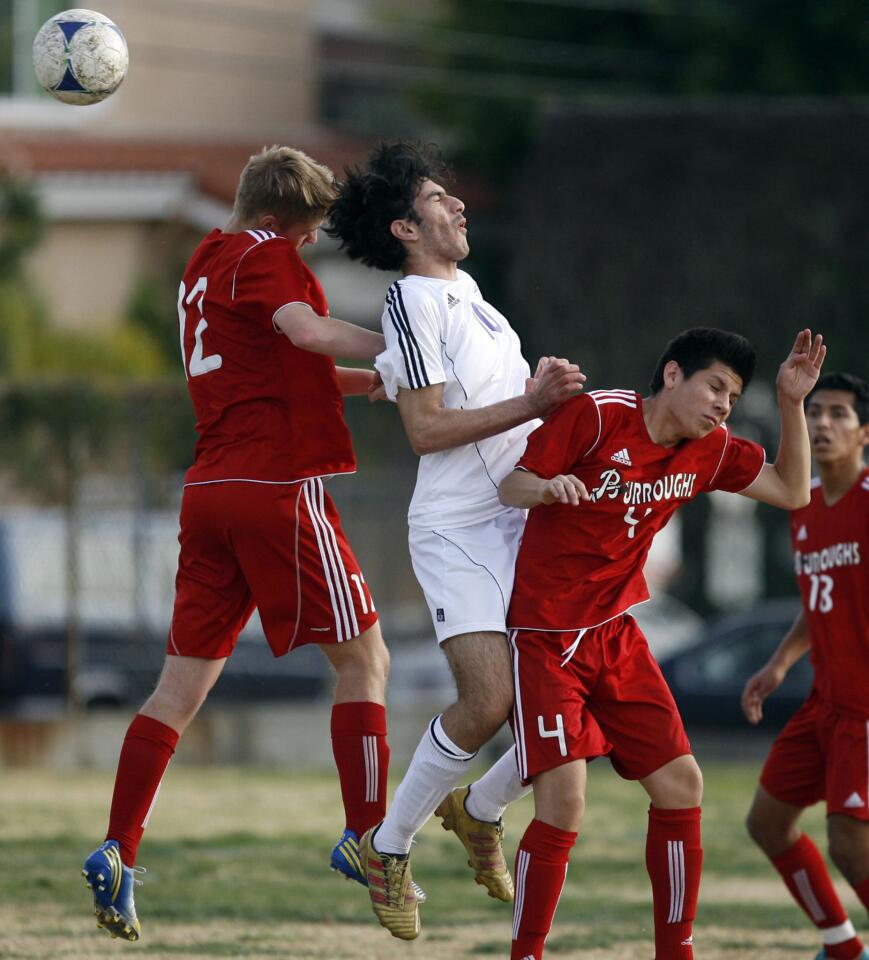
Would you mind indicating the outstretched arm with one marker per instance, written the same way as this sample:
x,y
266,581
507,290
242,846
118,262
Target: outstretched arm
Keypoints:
x,y
785,483
430,426
356,381
328,335
793,645
525,489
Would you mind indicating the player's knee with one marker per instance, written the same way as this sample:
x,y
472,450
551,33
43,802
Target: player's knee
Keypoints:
x,y
757,828
692,785
487,716
848,843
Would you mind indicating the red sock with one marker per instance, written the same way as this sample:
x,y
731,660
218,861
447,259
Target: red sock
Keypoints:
x,y
541,869
147,750
674,859
362,758
862,891
806,876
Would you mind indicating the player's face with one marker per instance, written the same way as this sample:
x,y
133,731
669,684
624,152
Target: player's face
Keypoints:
x,y
302,233
443,231
704,400
834,427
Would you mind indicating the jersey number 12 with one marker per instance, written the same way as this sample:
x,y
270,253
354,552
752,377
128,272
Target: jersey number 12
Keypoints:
x,y
198,363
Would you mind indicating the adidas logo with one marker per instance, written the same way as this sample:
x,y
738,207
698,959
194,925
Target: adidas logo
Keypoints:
x,y
854,801
452,301
689,942
802,534
622,457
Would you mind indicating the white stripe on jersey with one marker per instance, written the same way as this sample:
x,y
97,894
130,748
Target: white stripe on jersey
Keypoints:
x,y
721,458
620,400
329,571
369,747
676,857
627,398
259,236
519,729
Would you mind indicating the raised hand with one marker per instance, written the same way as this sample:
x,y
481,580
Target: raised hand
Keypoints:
x,y
800,371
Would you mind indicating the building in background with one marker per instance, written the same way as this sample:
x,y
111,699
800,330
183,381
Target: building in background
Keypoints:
x,y
128,185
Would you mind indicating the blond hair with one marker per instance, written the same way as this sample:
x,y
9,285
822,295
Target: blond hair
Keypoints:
x,y
286,183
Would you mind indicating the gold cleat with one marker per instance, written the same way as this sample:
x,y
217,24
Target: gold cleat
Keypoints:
x,y
391,889
483,842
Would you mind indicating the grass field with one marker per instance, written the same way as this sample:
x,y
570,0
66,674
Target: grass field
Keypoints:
x,y
236,868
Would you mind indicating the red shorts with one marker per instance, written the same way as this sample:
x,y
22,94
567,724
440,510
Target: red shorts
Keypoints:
x,y
821,755
277,547
608,698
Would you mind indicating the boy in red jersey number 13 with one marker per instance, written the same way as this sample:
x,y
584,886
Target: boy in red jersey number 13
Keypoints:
x,y
823,751
602,475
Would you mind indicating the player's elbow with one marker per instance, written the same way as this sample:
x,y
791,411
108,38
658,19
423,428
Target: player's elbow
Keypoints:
x,y
424,435
796,494
308,336
422,443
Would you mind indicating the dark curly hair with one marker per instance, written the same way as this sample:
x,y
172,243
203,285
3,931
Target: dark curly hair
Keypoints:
x,y
373,196
698,348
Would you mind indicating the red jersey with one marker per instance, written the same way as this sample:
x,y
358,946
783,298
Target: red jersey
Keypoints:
x,y
581,566
831,558
265,410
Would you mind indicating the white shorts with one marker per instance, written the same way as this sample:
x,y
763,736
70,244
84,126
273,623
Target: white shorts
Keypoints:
x,y
466,573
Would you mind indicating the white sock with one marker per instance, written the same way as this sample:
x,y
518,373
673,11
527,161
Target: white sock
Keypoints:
x,y
499,786
437,766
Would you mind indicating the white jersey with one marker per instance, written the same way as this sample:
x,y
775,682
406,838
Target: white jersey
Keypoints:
x,y
443,331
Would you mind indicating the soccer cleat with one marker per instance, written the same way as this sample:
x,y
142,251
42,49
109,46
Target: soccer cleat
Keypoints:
x,y
345,861
390,887
112,886
345,858
482,840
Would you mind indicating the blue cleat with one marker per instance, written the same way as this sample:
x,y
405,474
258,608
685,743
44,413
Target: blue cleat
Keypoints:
x,y
345,859
347,863
112,886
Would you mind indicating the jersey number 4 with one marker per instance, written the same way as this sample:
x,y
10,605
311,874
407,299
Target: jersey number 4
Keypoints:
x,y
198,364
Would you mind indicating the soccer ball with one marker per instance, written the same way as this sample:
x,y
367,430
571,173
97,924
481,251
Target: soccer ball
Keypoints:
x,y
80,57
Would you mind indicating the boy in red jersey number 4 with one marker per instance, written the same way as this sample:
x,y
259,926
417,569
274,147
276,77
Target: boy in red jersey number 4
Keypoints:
x,y
602,475
257,527
823,752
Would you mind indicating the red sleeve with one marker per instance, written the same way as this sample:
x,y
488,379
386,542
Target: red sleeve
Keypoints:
x,y
272,275
563,439
740,465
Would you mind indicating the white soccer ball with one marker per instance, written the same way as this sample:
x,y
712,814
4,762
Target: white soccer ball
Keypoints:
x,y
80,56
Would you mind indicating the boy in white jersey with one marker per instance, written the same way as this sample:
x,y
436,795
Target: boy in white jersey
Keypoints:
x,y
467,402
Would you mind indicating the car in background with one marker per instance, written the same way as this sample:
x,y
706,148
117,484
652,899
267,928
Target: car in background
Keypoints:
x,y
119,666
707,677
